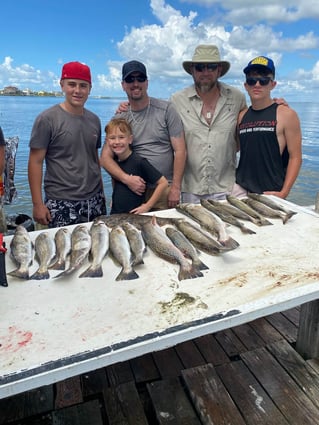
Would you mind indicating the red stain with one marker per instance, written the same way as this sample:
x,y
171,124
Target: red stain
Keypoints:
x,y
15,339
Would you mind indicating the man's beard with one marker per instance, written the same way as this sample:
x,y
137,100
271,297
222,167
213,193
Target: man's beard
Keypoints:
x,y
205,87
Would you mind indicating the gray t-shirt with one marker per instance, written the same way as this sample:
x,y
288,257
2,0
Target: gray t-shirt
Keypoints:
x,y
72,167
152,129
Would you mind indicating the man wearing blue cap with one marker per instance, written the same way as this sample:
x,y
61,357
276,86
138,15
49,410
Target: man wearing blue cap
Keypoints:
x,y
269,136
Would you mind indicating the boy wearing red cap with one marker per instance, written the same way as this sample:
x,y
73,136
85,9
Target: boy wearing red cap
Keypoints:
x,y
67,137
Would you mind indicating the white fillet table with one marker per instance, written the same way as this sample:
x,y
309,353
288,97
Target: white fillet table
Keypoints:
x,y
54,329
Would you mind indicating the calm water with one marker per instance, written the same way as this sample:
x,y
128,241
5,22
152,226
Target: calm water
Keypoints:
x,y
18,113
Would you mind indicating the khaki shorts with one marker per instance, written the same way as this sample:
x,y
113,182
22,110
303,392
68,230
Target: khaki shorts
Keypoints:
x,y
162,203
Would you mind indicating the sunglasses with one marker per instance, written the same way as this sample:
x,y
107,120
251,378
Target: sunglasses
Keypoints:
x,y
200,67
263,81
130,79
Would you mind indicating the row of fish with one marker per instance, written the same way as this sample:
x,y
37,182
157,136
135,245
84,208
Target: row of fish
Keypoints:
x,y
126,236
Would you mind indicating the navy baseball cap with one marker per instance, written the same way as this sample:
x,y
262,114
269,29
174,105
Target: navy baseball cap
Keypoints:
x,y
133,66
260,62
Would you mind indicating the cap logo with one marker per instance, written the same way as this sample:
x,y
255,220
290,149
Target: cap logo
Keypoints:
x,y
261,60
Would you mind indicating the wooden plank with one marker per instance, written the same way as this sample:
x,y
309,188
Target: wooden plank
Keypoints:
x,y
212,401
144,369
82,414
189,354
284,326
314,364
265,330
94,382
284,391
293,314
123,405
253,402
113,408
68,392
211,350
119,373
168,363
248,336
308,334
171,404
24,405
230,342
298,368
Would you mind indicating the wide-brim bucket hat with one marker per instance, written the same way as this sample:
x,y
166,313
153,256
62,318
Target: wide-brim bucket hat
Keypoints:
x,y
206,54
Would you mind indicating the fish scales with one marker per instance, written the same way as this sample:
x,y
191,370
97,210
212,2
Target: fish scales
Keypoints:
x,y
21,252
156,238
261,221
210,222
121,252
45,251
136,241
200,239
272,204
266,211
80,248
99,247
62,240
226,216
185,246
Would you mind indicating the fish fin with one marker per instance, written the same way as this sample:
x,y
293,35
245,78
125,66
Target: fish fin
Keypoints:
x,y
21,274
189,273
200,265
58,265
265,222
246,230
229,243
38,275
127,275
287,217
92,272
137,261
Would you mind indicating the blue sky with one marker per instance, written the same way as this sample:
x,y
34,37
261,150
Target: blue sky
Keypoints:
x,y
38,36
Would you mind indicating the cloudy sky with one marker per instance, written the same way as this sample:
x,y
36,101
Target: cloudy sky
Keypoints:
x,y
38,36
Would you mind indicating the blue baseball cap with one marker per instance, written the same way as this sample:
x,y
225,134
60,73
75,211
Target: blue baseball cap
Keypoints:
x,y
260,62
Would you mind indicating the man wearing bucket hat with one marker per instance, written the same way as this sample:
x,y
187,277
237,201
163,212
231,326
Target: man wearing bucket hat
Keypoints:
x,y
209,111
269,136
67,137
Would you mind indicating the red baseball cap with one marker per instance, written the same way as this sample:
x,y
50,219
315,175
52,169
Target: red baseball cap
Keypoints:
x,y
77,71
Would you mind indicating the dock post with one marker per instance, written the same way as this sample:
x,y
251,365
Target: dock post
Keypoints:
x,y
307,343
317,203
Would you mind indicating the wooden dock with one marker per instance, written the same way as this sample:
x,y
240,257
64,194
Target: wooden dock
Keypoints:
x,y
249,374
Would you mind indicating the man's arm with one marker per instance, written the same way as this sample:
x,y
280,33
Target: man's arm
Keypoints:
x,y
180,153
41,213
291,137
135,183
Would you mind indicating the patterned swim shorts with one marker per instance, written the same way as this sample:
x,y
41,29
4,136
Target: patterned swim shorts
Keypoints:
x,y
65,213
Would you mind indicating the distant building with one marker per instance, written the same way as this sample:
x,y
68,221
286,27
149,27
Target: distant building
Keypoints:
x,y
11,90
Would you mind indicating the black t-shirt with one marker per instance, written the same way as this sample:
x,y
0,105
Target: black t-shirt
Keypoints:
x,y
123,199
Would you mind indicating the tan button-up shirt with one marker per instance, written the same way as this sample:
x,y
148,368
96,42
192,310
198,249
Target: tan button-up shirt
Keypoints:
x,y
211,148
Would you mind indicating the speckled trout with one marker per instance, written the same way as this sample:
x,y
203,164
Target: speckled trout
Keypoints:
x,y
156,238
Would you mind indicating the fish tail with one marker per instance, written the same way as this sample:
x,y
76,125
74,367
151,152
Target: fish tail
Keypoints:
x,y
40,275
92,272
130,275
20,273
247,231
264,222
190,272
58,265
287,217
229,243
137,261
199,264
